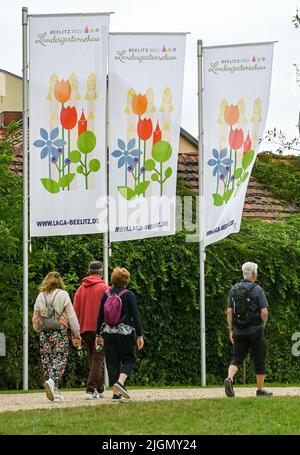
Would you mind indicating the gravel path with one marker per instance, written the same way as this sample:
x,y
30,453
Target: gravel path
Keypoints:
x,y
16,402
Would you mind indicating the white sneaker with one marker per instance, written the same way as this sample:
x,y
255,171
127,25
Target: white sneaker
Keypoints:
x,y
90,395
49,387
98,394
58,398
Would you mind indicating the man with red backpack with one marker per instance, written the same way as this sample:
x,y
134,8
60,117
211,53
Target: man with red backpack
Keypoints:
x,y
119,328
86,305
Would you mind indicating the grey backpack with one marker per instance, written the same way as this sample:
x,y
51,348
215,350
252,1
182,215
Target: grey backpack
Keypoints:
x,y
49,316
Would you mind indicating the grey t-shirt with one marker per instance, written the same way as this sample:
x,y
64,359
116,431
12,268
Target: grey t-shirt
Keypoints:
x,y
257,293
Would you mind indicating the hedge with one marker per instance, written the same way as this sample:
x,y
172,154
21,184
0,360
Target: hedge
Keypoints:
x,y
165,278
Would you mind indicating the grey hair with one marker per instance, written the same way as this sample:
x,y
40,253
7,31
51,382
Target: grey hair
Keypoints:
x,y
248,269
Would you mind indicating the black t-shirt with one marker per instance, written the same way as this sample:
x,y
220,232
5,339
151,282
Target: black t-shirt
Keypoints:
x,y
130,314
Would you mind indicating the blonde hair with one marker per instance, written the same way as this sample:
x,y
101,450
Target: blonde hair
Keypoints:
x,y
120,277
52,281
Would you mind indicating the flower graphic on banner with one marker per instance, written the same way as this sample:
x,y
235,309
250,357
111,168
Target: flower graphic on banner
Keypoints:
x,y
51,146
86,143
59,165
161,153
231,172
134,159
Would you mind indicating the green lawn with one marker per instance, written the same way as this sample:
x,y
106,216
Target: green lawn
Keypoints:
x,y
206,416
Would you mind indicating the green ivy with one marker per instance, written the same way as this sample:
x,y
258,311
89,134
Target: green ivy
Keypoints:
x,y
165,278
280,174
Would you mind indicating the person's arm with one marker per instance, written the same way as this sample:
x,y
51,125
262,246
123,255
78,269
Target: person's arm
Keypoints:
x,y
36,323
76,303
72,320
137,321
229,324
229,316
264,313
100,320
263,305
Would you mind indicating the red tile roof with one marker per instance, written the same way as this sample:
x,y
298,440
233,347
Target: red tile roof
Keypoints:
x,y
259,202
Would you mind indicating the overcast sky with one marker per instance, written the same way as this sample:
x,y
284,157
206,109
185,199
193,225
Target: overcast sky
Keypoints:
x,y
213,21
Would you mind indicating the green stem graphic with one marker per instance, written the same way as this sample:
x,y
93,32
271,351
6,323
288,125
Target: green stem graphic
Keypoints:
x,y
144,174
139,166
69,150
86,173
49,161
161,182
235,158
125,173
230,168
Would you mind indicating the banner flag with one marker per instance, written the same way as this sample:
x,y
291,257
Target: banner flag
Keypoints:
x,y
67,127
237,82
145,99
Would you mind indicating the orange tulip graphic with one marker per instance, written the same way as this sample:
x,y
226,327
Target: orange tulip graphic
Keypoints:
x,y
139,104
62,91
231,114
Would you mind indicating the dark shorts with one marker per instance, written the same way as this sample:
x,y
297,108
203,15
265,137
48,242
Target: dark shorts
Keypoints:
x,y
255,343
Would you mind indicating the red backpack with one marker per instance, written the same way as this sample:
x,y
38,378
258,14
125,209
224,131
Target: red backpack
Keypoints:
x,y
113,307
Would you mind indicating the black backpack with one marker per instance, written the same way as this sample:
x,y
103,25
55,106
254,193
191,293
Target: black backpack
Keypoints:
x,y
245,307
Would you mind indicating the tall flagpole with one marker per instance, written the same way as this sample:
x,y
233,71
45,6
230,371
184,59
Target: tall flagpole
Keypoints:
x,y
25,198
201,212
106,234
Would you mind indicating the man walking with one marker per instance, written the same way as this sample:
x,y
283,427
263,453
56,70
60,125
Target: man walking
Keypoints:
x,y
247,315
86,305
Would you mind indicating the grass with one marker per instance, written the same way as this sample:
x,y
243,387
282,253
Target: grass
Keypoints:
x,y
246,416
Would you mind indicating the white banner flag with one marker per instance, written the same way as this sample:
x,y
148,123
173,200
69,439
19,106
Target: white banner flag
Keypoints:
x,y
145,98
67,91
236,93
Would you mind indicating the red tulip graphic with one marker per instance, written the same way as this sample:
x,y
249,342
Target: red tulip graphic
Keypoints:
x,y
144,129
68,117
236,138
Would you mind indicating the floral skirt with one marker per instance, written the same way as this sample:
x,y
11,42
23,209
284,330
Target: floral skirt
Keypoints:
x,y
54,350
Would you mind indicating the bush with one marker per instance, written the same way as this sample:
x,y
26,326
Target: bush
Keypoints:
x,y
165,277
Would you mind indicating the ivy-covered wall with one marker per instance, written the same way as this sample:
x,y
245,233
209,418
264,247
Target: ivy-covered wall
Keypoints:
x,y
165,277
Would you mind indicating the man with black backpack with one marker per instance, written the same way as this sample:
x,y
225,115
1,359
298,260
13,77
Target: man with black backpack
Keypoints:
x,y
247,315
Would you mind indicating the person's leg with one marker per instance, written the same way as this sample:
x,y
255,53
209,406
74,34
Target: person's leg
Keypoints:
x,y
60,354
46,355
112,357
96,359
96,379
258,354
240,350
126,345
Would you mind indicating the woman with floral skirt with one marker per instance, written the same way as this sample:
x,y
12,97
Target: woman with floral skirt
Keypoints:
x,y
54,343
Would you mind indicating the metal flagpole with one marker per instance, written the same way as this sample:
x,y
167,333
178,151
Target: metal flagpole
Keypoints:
x,y
106,234
25,198
201,221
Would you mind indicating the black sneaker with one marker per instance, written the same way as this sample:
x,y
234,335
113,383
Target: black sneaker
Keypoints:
x,y
263,393
229,387
116,398
120,389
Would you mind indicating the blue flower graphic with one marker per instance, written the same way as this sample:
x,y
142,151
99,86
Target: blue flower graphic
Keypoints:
x,y
126,155
51,146
220,164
